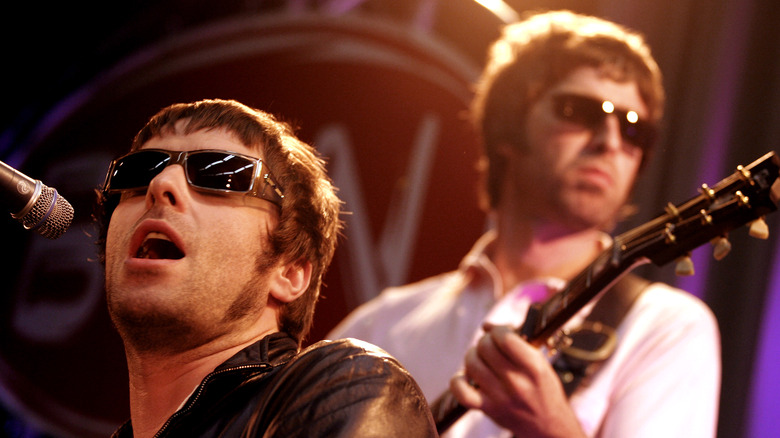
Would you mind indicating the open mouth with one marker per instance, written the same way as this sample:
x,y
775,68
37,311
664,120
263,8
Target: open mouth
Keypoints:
x,y
157,246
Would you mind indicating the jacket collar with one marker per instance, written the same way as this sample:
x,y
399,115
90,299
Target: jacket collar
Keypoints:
x,y
274,349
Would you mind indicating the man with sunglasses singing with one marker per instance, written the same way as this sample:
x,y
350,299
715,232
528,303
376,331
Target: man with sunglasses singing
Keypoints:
x,y
217,229
567,107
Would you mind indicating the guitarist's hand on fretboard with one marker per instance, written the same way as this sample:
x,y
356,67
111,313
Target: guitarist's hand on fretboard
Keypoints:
x,y
513,383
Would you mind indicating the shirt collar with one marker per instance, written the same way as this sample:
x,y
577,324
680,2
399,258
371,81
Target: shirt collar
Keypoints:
x,y
477,266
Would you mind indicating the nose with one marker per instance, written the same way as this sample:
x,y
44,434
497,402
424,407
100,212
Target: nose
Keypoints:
x,y
607,137
169,188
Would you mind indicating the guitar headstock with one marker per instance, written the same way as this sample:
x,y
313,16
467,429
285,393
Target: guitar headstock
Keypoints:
x,y
744,197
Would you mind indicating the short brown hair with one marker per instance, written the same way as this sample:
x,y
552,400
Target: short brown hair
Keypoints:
x,y
533,55
309,223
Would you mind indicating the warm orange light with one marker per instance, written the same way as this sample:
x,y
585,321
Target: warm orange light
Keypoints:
x,y
502,10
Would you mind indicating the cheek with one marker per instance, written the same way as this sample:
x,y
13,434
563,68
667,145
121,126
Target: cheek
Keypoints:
x,y
246,233
537,132
115,227
629,170
121,224
551,149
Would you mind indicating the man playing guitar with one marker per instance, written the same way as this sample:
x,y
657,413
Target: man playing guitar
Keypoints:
x,y
568,107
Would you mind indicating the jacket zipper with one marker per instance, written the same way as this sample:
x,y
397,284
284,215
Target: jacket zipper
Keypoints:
x,y
199,391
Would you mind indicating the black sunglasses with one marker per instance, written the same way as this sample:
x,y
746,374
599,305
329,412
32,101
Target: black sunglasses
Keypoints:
x,y
590,113
208,170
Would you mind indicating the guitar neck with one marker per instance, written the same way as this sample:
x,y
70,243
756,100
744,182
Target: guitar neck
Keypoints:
x,y
544,319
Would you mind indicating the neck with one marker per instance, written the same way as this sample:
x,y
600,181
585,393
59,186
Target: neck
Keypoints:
x,y
531,250
161,382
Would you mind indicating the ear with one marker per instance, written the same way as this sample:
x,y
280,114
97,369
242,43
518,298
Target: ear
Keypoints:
x,y
290,280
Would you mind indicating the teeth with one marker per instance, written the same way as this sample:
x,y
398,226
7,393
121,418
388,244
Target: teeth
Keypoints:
x,y
156,235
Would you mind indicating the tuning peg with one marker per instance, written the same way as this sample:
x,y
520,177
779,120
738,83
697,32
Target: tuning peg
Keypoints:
x,y
684,266
720,247
759,229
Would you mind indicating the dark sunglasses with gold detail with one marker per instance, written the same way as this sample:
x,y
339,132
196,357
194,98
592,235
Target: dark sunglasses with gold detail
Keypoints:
x,y
590,113
213,171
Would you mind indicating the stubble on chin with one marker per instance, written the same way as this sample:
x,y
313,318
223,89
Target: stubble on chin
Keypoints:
x,y
154,332
146,327
589,209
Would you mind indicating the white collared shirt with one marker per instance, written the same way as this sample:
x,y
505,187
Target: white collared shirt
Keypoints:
x,y
662,380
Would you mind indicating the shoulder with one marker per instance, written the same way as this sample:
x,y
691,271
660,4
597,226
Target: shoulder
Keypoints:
x,y
352,387
417,292
342,388
665,317
666,303
350,359
390,306
340,350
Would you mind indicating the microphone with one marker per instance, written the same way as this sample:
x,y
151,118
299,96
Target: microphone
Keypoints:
x,y
36,206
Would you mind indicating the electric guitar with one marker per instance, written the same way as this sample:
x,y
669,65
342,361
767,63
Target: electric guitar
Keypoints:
x,y
744,197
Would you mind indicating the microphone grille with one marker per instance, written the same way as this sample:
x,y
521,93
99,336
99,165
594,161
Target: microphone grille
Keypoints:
x,y
50,215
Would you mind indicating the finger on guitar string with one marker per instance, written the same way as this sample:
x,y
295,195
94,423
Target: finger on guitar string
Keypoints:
x,y
466,391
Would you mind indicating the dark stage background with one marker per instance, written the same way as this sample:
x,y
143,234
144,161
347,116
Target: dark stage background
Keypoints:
x,y
379,86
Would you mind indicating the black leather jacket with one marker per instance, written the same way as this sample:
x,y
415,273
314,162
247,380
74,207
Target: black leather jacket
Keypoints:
x,y
342,388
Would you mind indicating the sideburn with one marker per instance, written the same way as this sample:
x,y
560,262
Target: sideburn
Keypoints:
x,y
254,296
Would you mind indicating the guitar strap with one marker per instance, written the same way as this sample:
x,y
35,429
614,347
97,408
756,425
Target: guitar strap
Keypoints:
x,y
594,341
